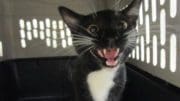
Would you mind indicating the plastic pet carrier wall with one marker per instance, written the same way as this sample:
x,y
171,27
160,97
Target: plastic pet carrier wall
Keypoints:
x,y
157,50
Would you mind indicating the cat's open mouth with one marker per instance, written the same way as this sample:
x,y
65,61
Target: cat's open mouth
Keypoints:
x,y
110,55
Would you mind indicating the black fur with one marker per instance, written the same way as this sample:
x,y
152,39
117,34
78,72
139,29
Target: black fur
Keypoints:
x,y
105,29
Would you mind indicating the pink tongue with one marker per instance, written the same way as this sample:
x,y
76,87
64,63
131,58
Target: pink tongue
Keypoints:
x,y
110,54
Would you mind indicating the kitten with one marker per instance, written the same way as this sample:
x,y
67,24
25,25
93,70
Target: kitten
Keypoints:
x,y
103,42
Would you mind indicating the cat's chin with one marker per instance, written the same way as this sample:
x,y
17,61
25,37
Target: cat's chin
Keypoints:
x,y
109,56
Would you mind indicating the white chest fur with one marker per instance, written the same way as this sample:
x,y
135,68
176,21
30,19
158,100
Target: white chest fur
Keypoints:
x,y
100,82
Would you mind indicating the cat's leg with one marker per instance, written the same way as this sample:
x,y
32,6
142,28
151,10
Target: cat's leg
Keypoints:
x,y
82,93
116,92
81,90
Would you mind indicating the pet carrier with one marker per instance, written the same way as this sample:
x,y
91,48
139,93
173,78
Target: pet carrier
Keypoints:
x,y
36,46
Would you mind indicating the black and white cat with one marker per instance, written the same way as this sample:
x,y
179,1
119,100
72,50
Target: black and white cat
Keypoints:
x,y
103,42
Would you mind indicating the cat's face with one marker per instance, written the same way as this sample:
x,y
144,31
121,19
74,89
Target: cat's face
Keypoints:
x,y
106,34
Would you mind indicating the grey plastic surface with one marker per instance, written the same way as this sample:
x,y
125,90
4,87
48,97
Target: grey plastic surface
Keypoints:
x,y
166,72
13,10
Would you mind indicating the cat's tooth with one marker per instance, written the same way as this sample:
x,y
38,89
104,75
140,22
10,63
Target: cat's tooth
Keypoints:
x,y
104,51
100,53
116,61
118,50
113,63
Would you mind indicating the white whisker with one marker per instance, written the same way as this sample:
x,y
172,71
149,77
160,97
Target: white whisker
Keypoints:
x,y
83,36
87,49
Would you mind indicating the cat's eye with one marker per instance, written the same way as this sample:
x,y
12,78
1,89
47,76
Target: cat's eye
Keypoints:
x,y
93,28
122,25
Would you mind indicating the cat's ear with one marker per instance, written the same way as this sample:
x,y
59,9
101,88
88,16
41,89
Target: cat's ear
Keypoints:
x,y
71,18
133,8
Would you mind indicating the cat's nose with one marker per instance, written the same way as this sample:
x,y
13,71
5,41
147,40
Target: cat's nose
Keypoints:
x,y
111,43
